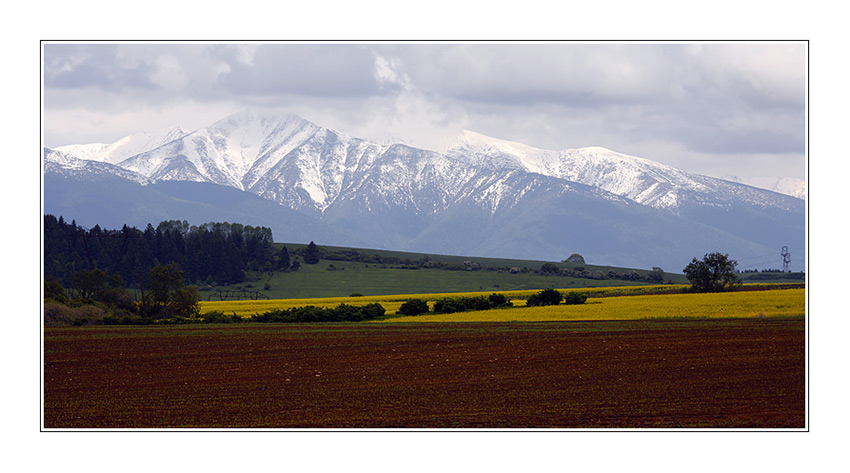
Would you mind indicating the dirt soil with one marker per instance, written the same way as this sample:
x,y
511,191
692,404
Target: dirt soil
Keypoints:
x,y
638,374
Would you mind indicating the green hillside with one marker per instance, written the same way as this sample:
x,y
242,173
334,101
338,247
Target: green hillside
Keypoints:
x,y
394,272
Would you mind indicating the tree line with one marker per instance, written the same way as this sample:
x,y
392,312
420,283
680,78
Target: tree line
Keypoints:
x,y
211,252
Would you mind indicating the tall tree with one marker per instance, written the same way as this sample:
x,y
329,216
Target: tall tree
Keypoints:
x,y
167,295
714,273
311,254
283,261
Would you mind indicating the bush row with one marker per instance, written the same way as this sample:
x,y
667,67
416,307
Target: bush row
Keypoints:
x,y
451,305
553,297
58,314
341,313
95,313
448,305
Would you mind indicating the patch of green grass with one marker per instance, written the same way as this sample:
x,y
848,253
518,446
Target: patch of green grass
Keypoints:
x,y
371,279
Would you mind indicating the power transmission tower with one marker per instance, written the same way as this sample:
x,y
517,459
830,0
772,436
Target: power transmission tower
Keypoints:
x,y
786,260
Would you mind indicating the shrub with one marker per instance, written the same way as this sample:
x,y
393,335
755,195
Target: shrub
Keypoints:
x,y
373,311
56,314
575,298
218,317
350,313
544,297
499,300
448,306
343,312
119,298
347,312
128,318
413,307
54,291
88,315
575,258
462,304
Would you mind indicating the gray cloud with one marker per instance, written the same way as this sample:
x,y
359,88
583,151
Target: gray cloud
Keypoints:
x,y
683,104
75,66
314,70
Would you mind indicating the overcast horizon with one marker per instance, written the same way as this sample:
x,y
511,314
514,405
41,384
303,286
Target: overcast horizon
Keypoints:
x,y
719,109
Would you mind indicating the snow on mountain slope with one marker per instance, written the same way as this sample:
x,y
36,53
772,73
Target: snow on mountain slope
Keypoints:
x,y
125,147
63,164
86,151
642,180
294,162
311,171
236,151
249,144
793,187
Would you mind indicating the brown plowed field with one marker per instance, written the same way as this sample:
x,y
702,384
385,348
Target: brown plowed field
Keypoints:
x,y
648,373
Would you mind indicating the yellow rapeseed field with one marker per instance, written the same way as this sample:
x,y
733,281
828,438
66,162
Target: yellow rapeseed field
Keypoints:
x,y
391,303
249,308
770,303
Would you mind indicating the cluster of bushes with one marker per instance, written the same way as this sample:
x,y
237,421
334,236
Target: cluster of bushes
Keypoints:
x,y
552,269
94,297
341,313
462,304
449,305
414,307
214,317
78,313
553,297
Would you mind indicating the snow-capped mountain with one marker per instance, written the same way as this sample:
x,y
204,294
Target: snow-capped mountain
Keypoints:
x,y
62,163
793,187
483,196
124,148
786,185
641,180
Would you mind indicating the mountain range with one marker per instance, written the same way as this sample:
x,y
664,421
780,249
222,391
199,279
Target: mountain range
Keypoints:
x,y
481,197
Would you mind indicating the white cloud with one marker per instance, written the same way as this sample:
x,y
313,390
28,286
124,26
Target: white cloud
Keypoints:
x,y
169,73
386,72
246,53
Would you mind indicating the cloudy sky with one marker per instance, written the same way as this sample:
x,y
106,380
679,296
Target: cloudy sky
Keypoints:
x,y
714,108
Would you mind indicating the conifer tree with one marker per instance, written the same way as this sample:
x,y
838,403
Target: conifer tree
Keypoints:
x,y
311,254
